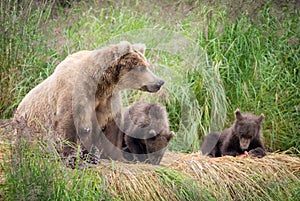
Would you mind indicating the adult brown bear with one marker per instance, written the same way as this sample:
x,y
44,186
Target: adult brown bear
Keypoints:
x,y
244,136
83,93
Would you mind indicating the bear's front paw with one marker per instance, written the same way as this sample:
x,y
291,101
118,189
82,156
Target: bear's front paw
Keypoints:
x,y
258,152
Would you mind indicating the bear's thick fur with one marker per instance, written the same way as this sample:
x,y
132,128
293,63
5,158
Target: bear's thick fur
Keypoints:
x,y
83,93
243,136
145,133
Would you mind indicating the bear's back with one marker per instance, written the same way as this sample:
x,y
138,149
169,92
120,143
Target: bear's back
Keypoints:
x,y
40,104
73,61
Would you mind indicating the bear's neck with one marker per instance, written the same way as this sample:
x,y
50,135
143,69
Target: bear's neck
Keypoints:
x,y
107,84
108,80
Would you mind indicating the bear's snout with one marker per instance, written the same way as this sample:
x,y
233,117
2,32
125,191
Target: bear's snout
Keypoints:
x,y
153,87
244,143
160,83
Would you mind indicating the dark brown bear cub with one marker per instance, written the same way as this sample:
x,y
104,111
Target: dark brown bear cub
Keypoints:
x,y
244,136
143,135
146,132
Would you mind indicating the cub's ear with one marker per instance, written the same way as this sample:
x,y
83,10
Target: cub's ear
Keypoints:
x,y
139,47
171,135
260,118
238,114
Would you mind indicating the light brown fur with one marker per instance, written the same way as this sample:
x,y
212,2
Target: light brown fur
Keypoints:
x,y
83,93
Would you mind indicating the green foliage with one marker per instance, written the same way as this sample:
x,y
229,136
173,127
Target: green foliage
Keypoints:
x,y
29,176
260,71
23,49
241,56
252,62
32,174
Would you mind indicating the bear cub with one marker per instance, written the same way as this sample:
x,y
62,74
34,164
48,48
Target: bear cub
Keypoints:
x,y
143,134
146,132
243,137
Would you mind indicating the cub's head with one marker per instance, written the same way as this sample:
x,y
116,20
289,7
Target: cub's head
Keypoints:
x,y
135,73
247,127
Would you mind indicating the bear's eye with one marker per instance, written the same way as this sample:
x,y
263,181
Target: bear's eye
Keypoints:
x,y
245,135
143,68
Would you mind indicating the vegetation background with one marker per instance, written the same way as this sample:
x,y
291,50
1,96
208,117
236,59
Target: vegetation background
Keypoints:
x,y
252,47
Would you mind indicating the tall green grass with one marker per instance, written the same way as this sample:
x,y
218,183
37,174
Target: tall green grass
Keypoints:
x,y
24,50
251,63
32,174
260,70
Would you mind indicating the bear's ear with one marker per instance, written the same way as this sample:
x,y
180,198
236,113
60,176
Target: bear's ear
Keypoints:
x,y
260,118
124,48
238,114
139,47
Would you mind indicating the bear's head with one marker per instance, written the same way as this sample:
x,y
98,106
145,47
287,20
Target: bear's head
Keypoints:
x,y
247,127
134,71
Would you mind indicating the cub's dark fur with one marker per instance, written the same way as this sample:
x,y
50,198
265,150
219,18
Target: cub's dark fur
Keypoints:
x,y
243,135
143,136
146,132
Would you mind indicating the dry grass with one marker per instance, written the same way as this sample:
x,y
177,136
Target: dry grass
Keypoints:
x,y
225,178
237,177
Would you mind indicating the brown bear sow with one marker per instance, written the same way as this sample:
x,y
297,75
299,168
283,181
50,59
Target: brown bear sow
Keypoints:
x,y
83,93
146,132
244,136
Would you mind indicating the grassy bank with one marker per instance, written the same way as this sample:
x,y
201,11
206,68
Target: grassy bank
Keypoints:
x,y
34,175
